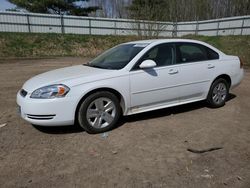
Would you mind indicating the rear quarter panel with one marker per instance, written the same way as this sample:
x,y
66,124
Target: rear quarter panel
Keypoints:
x,y
229,65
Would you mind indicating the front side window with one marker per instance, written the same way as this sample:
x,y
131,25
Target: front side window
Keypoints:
x,y
162,55
117,57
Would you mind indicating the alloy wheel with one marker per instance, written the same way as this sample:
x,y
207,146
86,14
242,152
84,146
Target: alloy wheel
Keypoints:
x,y
219,93
101,113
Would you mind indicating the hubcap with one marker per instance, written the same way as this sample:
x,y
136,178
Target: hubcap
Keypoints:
x,y
101,112
219,93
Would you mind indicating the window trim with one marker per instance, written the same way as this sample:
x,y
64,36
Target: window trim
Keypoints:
x,y
175,46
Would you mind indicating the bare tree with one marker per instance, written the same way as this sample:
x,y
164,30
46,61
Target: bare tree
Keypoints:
x,y
148,10
190,10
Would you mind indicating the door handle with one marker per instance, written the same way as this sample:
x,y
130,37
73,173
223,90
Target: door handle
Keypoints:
x,y
173,71
210,66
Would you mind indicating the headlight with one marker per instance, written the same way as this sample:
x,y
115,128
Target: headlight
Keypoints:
x,y
50,92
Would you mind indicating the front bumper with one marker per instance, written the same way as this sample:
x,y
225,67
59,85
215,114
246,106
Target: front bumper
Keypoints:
x,y
47,112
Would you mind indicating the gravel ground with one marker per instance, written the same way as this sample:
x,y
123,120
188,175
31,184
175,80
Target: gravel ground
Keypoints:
x,y
146,150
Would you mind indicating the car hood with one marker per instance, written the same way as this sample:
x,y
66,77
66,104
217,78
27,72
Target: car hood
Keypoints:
x,y
64,75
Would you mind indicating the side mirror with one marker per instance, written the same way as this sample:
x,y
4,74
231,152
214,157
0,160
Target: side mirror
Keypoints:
x,y
147,64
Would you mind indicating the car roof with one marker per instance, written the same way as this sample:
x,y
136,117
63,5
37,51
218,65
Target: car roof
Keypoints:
x,y
164,41
159,41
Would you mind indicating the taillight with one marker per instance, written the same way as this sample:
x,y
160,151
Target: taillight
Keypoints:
x,y
241,63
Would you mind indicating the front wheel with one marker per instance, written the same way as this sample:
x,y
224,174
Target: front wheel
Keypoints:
x,y
99,112
218,93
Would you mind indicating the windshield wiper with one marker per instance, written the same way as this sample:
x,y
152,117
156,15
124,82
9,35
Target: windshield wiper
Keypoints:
x,y
86,64
95,66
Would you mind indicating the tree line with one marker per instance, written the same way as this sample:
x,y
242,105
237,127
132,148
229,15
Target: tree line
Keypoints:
x,y
187,10
155,10
69,7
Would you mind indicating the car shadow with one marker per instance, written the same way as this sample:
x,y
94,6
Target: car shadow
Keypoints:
x,y
162,112
132,118
231,96
59,129
167,111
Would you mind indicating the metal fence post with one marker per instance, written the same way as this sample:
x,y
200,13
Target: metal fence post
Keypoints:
x,y
115,27
62,24
90,32
28,22
173,32
175,29
218,27
197,28
242,26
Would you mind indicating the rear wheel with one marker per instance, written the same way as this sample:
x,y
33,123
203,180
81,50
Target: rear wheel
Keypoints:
x,y
99,112
218,93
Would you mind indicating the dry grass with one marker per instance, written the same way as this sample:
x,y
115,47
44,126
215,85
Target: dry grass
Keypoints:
x,y
16,45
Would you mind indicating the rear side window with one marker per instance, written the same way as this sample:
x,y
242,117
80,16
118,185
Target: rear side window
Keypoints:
x,y
212,54
191,52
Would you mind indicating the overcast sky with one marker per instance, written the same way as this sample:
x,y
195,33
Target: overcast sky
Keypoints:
x,y
4,4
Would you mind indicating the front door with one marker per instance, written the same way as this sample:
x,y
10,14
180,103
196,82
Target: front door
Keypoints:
x,y
159,85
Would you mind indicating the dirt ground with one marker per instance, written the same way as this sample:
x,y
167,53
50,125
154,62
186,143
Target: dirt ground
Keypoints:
x,y
146,150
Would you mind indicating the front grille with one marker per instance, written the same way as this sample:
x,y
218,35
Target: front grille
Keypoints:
x,y
40,117
23,93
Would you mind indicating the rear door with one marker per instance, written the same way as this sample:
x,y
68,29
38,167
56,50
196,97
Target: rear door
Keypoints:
x,y
196,65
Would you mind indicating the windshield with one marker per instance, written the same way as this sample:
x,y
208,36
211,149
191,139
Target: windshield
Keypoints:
x,y
117,57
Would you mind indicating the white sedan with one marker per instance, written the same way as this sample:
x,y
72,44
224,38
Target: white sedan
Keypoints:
x,y
130,78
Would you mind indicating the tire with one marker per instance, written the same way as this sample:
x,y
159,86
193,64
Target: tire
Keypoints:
x,y
99,112
218,93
